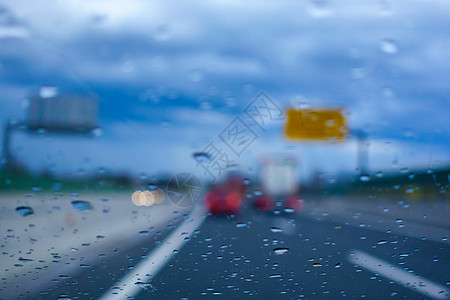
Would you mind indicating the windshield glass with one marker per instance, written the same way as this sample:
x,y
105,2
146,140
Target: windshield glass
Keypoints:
x,y
229,149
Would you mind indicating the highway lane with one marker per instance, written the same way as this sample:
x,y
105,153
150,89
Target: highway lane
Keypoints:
x,y
58,242
265,256
236,262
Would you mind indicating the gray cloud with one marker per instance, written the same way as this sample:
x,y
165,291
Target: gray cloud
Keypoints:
x,y
144,59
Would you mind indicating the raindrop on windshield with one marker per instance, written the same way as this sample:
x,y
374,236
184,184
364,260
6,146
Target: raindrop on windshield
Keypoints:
x,y
389,46
81,205
165,125
48,92
280,251
320,9
97,132
24,210
276,229
388,92
201,157
364,178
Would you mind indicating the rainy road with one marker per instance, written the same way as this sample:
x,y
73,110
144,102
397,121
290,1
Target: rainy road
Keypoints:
x,y
310,254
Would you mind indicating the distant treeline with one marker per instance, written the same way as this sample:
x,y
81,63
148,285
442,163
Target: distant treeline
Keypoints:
x,y
25,181
408,184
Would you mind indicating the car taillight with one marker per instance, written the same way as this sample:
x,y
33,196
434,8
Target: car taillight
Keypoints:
x,y
264,202
211,200
294,202
233,199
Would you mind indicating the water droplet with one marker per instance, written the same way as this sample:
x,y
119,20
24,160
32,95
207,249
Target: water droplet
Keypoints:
x,y
276,229
25,103
389,46
144,232
24,211
316,265
143,284
25,259
319,9
385,8
338,265
165,125
364,178
201,157
127,63
230,102
241,225
97,132
382,242
354,53
388,92
275,276
81,205
280,251
48,92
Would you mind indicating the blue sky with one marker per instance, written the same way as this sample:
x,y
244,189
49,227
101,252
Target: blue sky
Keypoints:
x,y
170,76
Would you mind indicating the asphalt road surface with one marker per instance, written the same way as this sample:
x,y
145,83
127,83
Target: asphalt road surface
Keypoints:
x,y
315,253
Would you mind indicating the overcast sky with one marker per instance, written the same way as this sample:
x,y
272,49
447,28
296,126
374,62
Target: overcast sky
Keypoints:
x,y
171,75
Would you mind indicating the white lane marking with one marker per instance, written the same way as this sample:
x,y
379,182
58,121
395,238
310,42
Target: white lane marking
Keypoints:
x,y
127,286
402,277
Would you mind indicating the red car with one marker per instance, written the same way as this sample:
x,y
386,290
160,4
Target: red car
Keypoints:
x,y
226,199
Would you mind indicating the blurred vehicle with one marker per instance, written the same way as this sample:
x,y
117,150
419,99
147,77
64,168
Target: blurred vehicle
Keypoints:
x,y
294,203
226,198
264,202
279,182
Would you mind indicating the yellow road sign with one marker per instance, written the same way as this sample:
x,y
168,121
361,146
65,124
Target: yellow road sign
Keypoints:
x,y
316,124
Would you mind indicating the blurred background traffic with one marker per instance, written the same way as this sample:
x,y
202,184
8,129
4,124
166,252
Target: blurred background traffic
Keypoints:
x,y
121,119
